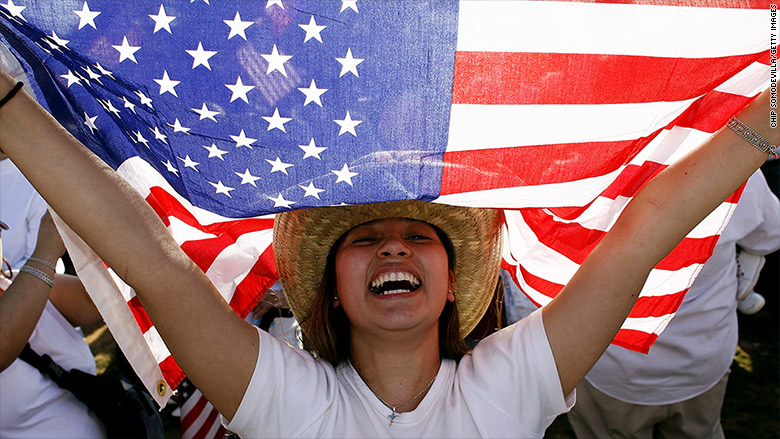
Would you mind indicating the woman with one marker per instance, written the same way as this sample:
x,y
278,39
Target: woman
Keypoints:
x,y
396,354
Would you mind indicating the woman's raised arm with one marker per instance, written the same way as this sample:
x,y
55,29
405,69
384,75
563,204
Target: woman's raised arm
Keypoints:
x,y
215,347
586,315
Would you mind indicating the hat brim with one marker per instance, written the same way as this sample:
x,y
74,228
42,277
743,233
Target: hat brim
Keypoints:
x,y
304,238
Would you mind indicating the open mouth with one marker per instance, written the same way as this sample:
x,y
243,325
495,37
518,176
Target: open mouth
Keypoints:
x,y
394,283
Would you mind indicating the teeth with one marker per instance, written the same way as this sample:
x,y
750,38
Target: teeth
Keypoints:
x,y
381,282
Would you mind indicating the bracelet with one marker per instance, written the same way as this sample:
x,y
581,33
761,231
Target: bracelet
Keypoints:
x,y
11,93
751,136
43,262
38,273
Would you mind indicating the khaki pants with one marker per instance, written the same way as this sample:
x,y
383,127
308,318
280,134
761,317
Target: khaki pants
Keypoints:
x,y
597,415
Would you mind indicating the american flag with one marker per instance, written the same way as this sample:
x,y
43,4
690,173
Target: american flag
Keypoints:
x,y
222,113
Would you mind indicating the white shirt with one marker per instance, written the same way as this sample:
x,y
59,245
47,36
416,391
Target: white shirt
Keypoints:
x,y
698,345
21,208
507,387
31,404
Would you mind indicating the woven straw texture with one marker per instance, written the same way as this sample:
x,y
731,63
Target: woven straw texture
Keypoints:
x,y
303,238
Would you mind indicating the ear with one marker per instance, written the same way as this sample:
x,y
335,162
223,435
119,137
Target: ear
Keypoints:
x,y
336,303
451,287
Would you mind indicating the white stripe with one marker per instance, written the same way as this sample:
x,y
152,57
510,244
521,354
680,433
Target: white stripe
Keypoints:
x,y
474,127
749,82
200,420
183,232
235,261
643,30
650,325
156,344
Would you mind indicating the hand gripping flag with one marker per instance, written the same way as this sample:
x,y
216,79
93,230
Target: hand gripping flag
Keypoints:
x,y
223,113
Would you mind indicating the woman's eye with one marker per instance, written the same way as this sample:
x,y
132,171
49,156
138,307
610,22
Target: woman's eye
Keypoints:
x,y
418,237
363,240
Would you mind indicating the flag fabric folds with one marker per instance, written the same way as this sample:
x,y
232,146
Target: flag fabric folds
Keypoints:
x,y
223,113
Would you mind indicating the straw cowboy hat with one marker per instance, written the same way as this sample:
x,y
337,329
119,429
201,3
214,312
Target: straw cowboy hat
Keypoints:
x,y
303,238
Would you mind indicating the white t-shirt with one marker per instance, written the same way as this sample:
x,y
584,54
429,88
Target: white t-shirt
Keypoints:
x,y
698,345
32,405
507,387
21,208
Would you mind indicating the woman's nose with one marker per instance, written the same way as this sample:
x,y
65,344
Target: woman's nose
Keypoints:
x,y
393,246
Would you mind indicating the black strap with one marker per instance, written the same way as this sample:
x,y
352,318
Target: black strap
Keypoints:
x,y
46,365
11,93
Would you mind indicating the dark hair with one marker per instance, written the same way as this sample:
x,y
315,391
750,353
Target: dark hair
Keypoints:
x,y
326,328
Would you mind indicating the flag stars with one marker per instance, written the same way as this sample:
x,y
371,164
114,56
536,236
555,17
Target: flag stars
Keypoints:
x,y
90,122
145,100
270,3
167,85
109,106
312,30
189,163
57,42
126,51
312,150
311,191
104,71
238,27
276,61
279,201
349,64
349,4
177,127
247,177
162,21
169,166
278,166
92,74
201,56
86,17
344,175
242,140
128,104
205,113
276,121
312,93
139,138
15,10
72,79
239,90
214,151
221,188
348,125
158,135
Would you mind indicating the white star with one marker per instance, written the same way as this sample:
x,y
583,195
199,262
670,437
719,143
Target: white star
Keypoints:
x,y
349,64
242,140
145,100
104,71
237,27
214,151
109,106
170,167
92,75
276,121
158,135
312,30
312,93
167,84
278,165
205,113
311,191
200,56
177,127
247,177
276,61
129,104
239,90
72,79
281,202
349,4
221,188
312,150
345,175
139,138
14,10
189,163
57,42
86,17
126,51
90,122
270,3
162,21
348,125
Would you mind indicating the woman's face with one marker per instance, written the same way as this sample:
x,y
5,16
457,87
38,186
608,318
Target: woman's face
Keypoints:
x,y
392,275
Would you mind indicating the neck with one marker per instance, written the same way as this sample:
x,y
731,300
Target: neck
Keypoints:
x,y
396,370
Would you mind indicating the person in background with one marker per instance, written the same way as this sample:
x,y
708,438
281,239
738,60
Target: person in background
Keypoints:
x,y
677,389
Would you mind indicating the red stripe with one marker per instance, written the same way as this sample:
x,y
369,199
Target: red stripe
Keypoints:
x,y
635,340
207,424
260,278
193,413
712,111
171,372
657,306
507,78
141,317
